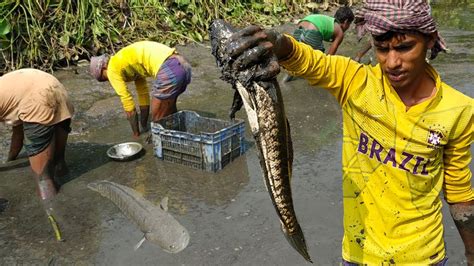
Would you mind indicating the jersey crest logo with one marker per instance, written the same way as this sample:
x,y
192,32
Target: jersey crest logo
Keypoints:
x,y
434,139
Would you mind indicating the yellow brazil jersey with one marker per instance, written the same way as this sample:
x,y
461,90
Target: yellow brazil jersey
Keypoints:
x,y
395,162
135,63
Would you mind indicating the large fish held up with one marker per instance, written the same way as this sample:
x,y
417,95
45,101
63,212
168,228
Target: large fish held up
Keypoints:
x,y
158,226
263,104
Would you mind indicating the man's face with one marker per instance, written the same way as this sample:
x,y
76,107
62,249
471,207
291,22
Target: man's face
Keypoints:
x,y
345,25
402,58
103,75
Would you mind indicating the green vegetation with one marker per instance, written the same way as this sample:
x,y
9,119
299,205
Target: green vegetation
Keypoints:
x,y
46,33
456,14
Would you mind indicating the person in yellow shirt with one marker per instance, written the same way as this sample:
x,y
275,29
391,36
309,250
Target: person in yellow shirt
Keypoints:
x,y
406,133
136,62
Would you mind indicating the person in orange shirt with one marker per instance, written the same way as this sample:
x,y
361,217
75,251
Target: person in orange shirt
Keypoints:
x,y
37,106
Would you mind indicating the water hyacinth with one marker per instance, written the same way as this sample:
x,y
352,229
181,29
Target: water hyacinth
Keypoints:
x,y
47,33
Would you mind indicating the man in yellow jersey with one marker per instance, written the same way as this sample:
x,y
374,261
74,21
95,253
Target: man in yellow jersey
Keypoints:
x,y
406,134
136,62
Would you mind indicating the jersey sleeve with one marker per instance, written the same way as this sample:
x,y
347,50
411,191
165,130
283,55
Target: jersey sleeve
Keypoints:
x,y
457,157
142,92
340,75
120,87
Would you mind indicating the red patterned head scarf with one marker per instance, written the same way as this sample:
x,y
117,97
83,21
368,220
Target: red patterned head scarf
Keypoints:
x,y
379,17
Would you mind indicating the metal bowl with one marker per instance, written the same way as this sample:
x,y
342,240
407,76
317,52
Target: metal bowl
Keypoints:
x,y
124,151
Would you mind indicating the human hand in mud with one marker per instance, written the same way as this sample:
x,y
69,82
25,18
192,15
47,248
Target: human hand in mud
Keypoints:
x,y
254,46
132,117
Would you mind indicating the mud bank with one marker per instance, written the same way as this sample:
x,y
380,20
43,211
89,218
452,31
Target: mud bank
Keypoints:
x,y
228,214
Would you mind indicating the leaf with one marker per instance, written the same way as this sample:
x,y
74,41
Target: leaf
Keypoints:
x,y
312,5
194,19
64,40
4,27
182,2
257,6
4,43
198,36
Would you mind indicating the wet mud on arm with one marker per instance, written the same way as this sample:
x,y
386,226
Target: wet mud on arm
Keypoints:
x,y
463,216
132,118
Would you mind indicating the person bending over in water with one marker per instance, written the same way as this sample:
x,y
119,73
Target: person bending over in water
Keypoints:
x,y
316,28
136,62
37,106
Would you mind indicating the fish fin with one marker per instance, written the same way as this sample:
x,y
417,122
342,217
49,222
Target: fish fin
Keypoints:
x,y
164,204
298,242
139,244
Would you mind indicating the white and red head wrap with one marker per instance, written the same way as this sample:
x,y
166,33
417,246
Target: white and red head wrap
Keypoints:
x,y
97,64
381,16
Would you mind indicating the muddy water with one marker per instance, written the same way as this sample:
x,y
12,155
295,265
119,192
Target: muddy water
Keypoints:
x,y
228,214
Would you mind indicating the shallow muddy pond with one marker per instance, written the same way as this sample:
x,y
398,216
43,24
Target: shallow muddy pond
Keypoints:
x,y
229,213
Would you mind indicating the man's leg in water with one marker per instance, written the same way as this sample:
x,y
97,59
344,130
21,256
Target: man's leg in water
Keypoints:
x,y
60,167
144,113
42,165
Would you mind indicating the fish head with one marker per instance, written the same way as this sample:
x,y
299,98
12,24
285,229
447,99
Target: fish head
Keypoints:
x,y
219,32
94,186
175,240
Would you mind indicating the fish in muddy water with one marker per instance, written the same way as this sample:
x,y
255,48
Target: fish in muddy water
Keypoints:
x,y
263,104
158,226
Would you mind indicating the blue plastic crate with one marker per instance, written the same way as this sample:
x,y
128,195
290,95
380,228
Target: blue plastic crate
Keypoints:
x,y
199,142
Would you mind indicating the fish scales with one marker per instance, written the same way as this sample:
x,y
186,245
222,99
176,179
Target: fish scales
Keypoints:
x,y
278,179
134,208
270,128
158,226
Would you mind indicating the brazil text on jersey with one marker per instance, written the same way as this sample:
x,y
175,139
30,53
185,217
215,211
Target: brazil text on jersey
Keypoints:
x,y
377,152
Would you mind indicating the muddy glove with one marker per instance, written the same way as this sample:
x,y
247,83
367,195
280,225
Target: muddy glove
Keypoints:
x,y
253,46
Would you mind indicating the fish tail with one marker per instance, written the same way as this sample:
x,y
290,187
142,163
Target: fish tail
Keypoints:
x,y
297,241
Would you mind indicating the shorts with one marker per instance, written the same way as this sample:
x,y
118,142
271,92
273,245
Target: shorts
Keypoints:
x,y
312,38
38,137
172,79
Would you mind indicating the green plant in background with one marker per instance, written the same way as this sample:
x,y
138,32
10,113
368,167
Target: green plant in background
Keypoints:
x,y
46,33
4,30
454,13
